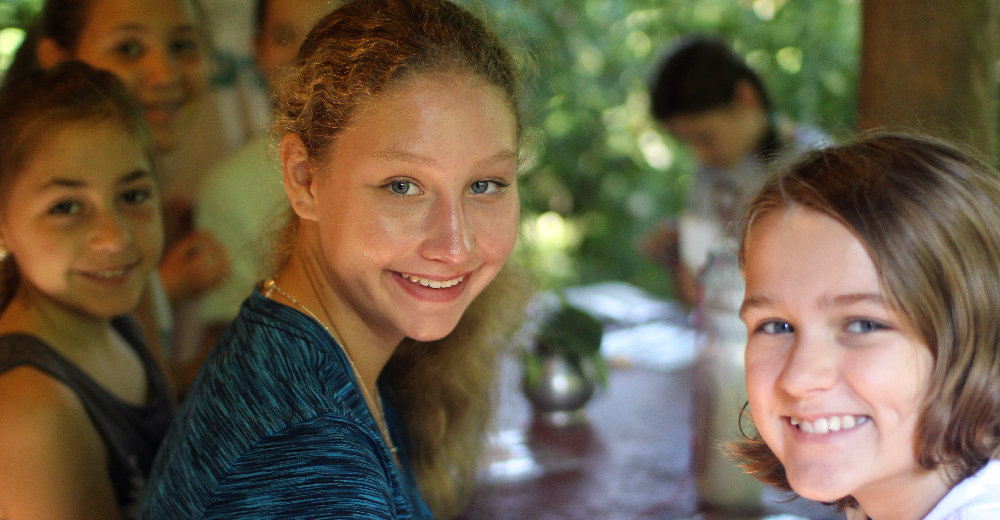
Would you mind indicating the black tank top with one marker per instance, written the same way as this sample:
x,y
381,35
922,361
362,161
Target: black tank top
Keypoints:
x,y
131,434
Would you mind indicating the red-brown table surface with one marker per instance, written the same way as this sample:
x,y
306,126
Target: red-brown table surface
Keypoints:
x,y
630,459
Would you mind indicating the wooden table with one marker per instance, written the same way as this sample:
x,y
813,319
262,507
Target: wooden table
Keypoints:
x,y
629,460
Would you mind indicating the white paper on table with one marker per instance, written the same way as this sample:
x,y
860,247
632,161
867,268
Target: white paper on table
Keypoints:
x,y
659,345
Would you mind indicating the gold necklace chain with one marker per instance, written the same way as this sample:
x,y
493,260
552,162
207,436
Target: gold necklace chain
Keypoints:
x,y
379,411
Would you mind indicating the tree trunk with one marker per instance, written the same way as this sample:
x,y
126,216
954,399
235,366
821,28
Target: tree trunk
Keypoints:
x,y
930,66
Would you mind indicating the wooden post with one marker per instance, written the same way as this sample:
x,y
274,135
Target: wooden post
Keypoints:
x,y
931,66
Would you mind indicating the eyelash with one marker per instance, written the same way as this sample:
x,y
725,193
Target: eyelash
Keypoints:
x,y
499,186
131,197
182,48
869,325
64,208
763,327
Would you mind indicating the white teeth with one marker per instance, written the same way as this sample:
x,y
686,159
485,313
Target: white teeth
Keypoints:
x,y
433,284
831,424
110,274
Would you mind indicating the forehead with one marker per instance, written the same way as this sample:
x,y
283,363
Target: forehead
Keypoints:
x,y
699,122
108,15
299,13
792,240
83,149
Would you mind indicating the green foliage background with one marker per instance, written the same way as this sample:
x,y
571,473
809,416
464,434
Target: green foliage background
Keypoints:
x,y
598,173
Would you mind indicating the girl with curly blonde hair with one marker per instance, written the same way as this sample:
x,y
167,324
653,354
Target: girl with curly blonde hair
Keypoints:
x,y
356,382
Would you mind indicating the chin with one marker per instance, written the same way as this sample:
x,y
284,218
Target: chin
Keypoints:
x,y
817,488
432,332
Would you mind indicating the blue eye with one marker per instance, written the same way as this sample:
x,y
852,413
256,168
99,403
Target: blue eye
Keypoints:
x,y
484,187
402,187
776,327
865,325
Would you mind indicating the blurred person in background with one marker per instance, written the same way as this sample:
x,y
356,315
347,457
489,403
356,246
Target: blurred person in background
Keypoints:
x,y
241,200
84,405
156,50
706,97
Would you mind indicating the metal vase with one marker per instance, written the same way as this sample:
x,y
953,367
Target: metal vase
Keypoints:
x,y
558,388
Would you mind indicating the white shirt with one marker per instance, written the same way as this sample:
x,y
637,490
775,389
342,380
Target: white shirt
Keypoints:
x,y
975,498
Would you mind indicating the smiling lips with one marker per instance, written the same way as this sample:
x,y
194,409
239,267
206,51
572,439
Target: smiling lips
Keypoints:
x,y
162,113
114,275
830,424
433,284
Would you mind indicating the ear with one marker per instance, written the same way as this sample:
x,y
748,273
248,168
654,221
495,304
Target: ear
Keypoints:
x,y
51,53
297,172
745,95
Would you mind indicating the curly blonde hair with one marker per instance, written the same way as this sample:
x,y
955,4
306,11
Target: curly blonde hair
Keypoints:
x,y
444,388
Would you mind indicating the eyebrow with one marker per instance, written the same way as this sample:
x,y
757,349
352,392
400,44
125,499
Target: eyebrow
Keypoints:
x,y
398,155
841,300
132,27
129,177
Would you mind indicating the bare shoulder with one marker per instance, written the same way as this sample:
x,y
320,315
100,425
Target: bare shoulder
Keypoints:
x,y
53,463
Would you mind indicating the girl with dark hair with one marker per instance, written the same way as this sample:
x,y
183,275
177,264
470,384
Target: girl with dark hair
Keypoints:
x,y
84,406
709,99
156,50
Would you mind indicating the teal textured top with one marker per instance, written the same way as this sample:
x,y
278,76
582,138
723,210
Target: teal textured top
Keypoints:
x,y
275,426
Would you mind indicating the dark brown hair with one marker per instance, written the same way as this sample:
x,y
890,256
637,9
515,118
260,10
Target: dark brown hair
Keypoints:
x,y
36,104
928,213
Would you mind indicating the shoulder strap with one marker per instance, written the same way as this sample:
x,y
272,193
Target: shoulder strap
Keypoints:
x,y
19,349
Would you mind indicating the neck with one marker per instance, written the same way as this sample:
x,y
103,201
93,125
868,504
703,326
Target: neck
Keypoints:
x,y
62,328
305,279
911,500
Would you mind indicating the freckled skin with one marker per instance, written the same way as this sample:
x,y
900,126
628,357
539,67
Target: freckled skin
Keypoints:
x,y
425,181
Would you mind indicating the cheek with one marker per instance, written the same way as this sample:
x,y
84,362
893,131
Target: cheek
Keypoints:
x,y
761,374
496,232
149,237
193,77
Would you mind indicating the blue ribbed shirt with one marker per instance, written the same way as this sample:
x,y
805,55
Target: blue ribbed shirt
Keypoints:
x,y
275,426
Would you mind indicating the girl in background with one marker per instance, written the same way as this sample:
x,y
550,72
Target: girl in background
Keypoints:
x,y
83,403
706,97
156,50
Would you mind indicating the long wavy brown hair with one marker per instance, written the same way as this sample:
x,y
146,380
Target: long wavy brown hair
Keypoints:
x,y
444,388
928,213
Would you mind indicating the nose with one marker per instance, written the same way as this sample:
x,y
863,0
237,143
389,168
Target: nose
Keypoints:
x,y
162,69
109,233
811,365
448,236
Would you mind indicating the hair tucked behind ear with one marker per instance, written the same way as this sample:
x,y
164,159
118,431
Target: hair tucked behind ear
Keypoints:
x,y
352,55
928,214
